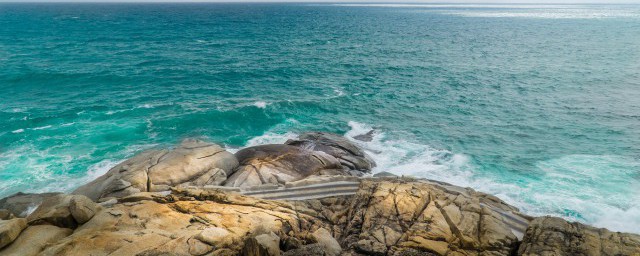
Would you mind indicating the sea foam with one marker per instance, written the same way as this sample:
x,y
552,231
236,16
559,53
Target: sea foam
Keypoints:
x,y
555,194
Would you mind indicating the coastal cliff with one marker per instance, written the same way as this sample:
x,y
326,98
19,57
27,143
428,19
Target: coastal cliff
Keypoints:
x,y
310,196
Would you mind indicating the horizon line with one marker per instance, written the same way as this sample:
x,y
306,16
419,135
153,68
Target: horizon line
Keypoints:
x,y
495,2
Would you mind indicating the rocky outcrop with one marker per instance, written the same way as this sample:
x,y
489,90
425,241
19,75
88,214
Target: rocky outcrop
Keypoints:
x,y
192,163
555,236
283,200
65,211
351,157
278,164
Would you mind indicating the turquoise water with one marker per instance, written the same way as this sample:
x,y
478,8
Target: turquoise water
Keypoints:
x,y
539,105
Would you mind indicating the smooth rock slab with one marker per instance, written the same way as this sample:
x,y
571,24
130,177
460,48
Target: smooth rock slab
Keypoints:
x,y
351,157
278,164
192,163
34,239
10,229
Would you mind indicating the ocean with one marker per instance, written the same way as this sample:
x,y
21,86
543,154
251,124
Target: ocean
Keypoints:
x,y
536,104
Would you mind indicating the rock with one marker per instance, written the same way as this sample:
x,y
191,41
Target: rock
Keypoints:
x,y
34,239
82,208
351,157
218,237
384,174
390,217
10,229
367,137
278,164
386,216
330,245
6,214
192,163
22,204
262,245
307,250
54,211
555,236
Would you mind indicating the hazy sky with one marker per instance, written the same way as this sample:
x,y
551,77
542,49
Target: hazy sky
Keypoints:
x,y
363,1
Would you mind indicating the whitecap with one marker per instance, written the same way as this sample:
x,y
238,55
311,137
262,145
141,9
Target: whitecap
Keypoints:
x,y
260,104
18,131
41,127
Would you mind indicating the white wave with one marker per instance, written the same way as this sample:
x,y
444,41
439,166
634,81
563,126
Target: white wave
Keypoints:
x,y
407,158
589,13
18,131
598,190
41,128
260,104
30,209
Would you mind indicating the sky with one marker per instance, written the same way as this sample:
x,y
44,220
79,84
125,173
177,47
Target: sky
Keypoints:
x,y
368,1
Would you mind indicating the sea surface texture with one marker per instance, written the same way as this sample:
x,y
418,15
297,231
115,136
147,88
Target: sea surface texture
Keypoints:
x,y
539,105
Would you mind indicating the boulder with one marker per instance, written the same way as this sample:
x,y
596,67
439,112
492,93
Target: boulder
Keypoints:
x,y
262,245
329,244
82,208
22,204
218,237
351,157
10,229
54,211
6,214
34,239
192,163
65,211
278,164
307,250
548,236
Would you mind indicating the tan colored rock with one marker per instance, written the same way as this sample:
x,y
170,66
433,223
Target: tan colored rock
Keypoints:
x,y
278,164
192,163
392,216
217,237
262,245
396,216
10,229
351,157
34,239
82,208
548,236
54,211
6,214
330,245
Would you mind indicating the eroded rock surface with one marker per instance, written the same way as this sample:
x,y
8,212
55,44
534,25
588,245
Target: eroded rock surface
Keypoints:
x,y
387,216
548,236
192,163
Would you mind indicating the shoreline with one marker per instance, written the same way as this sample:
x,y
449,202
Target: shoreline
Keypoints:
x,y
310,194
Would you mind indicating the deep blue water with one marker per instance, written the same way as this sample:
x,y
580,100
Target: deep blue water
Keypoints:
x,y
539,105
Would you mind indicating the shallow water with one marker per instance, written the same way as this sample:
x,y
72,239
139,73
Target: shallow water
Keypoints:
x,y
539,105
